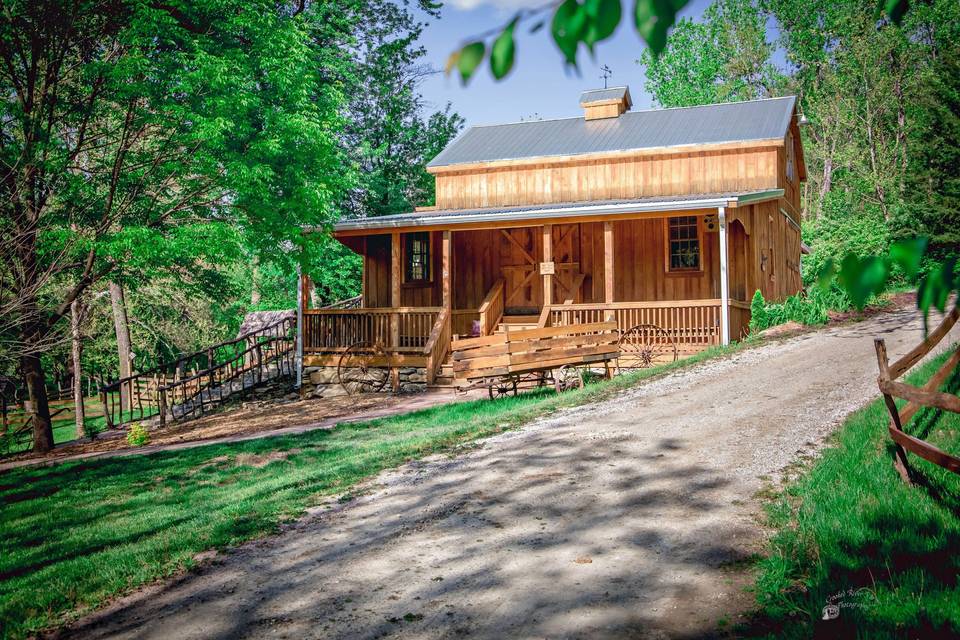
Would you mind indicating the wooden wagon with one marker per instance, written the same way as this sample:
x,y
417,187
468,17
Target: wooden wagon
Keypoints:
x,y
504,362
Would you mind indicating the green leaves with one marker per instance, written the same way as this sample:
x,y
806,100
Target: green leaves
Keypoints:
x,y
469,59
908,255
894,9
862,278
568,27
502,52
653,19
604,16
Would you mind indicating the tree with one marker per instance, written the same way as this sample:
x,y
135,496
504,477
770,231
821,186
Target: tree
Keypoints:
x,y
391,139
725,58
136,133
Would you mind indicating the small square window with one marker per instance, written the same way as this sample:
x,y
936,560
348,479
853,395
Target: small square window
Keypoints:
x,y
683,250
417,254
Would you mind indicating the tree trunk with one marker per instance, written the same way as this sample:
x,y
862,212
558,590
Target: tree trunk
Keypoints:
x,y
76,344
38,408
122,327
255,283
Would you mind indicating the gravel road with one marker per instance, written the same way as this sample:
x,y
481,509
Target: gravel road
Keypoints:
x,y
626,518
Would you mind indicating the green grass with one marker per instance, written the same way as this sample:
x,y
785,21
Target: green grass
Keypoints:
x,y
64,429
850,532
78,533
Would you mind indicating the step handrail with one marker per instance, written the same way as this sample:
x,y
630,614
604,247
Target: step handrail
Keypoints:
x,y
437,343
144,403
491,308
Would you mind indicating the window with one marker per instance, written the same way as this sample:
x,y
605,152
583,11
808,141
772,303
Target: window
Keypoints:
x,y
683,246
417,256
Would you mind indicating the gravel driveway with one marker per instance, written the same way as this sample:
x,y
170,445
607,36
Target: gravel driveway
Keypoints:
x,y
627,518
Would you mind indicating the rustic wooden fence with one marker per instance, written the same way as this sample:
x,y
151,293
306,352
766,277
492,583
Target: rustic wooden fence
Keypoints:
x,y
929,395
158,390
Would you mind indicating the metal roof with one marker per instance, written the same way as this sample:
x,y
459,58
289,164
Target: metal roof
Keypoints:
x,y
597,95
454,217
708,124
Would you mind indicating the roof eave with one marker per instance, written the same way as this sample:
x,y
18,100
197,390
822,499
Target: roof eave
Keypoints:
x,y
389,223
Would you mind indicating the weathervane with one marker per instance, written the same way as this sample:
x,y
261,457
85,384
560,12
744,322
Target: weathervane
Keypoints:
x,y
607,73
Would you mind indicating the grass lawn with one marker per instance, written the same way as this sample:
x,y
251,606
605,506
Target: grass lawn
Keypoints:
x,y
76,534
851,533
64,428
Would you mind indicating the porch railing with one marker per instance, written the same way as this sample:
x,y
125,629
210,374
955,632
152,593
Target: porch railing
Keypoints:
x,y
693,324
438,343
491,309
395,328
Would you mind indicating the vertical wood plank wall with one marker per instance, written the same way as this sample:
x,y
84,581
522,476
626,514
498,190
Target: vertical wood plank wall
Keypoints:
x,y
765,256
612,179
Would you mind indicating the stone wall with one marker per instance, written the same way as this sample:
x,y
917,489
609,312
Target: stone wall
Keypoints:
x,y
322,382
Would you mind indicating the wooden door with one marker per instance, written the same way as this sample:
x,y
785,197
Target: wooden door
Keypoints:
x,y
520,251
737,259
566,260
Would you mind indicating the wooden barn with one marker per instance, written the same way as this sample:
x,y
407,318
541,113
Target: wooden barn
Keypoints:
x,y
669,217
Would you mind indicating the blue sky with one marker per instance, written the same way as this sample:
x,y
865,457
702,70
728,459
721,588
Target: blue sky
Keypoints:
x,y
538,85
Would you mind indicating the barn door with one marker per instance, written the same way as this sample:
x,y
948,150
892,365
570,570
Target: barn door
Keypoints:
x,y
737,260
520,253
566,258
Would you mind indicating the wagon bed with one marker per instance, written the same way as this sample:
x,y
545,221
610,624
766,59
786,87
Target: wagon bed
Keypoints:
x,y
512,355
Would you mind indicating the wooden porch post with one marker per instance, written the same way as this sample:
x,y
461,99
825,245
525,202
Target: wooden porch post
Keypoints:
x,y
608,262
394,288
446,299
724,284
548,258
395,303
304,291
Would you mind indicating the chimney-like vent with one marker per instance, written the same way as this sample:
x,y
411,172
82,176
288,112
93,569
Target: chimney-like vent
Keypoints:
x,y
605,103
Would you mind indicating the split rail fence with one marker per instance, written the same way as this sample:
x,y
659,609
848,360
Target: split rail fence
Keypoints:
x,y
929,395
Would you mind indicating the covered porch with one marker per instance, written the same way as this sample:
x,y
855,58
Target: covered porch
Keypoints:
x,y
683,268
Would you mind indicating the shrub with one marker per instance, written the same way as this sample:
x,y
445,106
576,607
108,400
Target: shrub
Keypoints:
x,y
137,436
758,313
806,308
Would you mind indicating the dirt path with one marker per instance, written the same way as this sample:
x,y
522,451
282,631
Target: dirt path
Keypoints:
x,y
627,518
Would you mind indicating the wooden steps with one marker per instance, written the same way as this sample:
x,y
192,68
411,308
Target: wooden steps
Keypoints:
x,y
444,378
518,323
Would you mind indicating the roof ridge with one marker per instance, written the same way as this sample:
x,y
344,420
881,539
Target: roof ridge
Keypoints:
x,y
632,111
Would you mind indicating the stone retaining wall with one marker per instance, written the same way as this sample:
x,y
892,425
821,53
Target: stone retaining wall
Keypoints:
x,y
322,382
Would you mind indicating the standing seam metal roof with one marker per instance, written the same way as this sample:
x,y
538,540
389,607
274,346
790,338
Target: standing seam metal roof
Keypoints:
x,y
709,124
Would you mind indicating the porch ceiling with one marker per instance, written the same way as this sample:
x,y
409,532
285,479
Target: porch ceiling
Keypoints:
x,y
463,217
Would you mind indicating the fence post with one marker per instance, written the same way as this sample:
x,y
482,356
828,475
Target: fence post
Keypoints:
x,y
900,460
107,417
163,407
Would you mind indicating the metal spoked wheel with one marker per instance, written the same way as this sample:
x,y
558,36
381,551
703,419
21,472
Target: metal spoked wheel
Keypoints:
x,y
357,372
645,345
567,377
502,388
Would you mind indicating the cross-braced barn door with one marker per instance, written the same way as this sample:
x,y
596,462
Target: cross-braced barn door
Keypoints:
x,y
567,280
520,252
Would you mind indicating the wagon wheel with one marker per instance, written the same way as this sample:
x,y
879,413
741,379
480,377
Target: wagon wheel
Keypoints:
x,y
567,377
356,371
502,388
644,345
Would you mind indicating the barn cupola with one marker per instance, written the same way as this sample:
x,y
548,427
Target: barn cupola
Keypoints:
x,y
605,103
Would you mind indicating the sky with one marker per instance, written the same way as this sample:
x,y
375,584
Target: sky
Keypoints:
x,y
538,86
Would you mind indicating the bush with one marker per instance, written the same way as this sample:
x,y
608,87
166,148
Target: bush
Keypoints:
x,y
137,436
758,313
806,308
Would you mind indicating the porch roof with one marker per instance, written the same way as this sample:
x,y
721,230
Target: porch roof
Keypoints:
x,y
459,217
